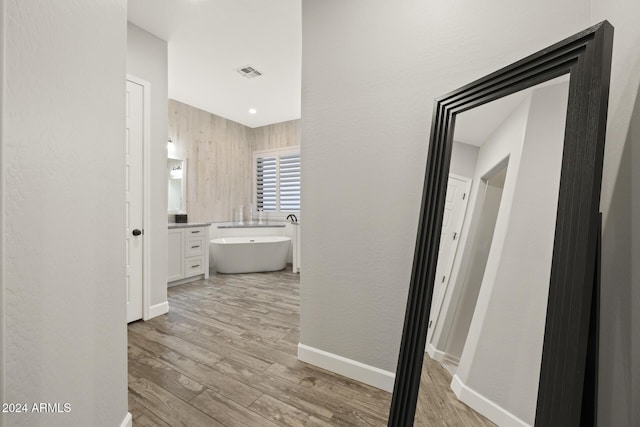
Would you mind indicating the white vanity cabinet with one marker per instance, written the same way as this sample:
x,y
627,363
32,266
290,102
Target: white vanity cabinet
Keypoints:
x,y
175,261
188,257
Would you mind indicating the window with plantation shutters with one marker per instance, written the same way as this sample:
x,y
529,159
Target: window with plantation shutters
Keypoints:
x,y
289,183
277,180
266,183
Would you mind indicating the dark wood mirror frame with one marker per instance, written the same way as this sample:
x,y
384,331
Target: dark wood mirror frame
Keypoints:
x,y
586,56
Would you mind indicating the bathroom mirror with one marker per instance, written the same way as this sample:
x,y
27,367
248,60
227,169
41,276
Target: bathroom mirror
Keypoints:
x,y
176,179
571,217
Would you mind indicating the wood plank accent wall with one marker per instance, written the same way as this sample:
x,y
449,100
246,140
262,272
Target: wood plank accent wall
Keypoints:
x,y
219,155
278,135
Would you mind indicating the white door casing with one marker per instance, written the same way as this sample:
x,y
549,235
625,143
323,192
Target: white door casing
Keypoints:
x,y
134,190
457,197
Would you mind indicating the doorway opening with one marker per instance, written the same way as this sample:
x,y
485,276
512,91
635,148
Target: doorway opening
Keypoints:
x,y
454,335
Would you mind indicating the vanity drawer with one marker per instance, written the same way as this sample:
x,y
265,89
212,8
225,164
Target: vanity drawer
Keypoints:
x,y
188,254
193,245
194,232
193,266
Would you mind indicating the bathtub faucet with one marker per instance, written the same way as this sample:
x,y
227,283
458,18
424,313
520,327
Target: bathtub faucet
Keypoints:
x,y
293,218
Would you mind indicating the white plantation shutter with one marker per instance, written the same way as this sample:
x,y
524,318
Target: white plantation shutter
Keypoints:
x,y
277,180
289,187
266,183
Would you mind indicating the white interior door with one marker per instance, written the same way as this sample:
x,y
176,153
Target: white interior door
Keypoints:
x,y
454,210
134,198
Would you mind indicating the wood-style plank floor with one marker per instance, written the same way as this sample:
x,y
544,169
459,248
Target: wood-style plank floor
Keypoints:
x,y
225,355
438,405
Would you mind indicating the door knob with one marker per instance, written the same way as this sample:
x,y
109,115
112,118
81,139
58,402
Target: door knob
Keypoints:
x,y
137,232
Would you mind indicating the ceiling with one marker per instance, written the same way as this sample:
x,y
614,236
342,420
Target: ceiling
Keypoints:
x,y
209,39
474,126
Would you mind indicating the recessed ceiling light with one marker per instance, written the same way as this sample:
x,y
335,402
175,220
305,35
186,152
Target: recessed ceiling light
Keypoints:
x,y
252,111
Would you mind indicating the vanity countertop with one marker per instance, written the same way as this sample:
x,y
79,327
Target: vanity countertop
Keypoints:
x,y
189,224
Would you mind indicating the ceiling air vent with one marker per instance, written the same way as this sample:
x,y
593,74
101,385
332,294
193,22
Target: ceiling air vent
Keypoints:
x,y
248,72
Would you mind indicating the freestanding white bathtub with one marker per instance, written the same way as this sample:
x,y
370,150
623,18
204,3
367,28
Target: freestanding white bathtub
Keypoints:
x,y
249,254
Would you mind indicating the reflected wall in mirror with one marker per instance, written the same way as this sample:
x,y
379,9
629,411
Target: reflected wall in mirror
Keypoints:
x,y
503,273
486,324
176,179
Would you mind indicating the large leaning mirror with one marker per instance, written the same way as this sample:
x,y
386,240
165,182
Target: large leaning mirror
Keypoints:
x,y
499,304
487,317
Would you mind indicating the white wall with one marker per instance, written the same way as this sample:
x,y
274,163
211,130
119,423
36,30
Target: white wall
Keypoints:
x,y
463,159
502,355
366,117
147,59
3,270
62,168
619,380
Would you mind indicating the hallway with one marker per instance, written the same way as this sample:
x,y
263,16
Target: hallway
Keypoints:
x,y
225,355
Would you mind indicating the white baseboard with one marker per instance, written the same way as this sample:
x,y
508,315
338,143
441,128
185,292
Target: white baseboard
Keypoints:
x,y
441,356
484,406
353,369
158,310
452,360
128,421
435,354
